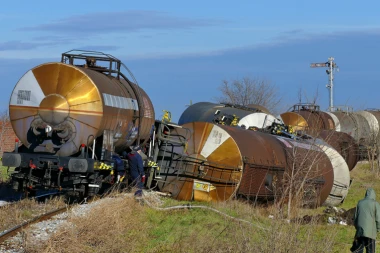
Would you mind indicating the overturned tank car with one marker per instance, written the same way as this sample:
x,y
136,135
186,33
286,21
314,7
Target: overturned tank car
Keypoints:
x,y
209,158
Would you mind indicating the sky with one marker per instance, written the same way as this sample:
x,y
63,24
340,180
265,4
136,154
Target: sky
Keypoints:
x,y
181,51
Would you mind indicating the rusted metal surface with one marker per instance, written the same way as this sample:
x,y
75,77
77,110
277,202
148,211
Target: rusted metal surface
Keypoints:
x,y
314,121
312,166
347,124
211,157
259,107
321,125
335,121
342,180
263,156
278,156
308,120
55,107
298,122
363,130
328,120
374,125
344,144
249,163
202,112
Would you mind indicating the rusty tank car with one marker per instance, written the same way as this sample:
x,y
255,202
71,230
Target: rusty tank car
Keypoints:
x,y
72,117
206,112
210,162
307,118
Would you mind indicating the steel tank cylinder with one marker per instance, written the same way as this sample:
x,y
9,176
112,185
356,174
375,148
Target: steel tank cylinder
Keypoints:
x,y
297,121
344,144
347,124
309,120
342,179
313,119
335,120
372,117
323,127
56,107
244,162
373,121
363,128
253,116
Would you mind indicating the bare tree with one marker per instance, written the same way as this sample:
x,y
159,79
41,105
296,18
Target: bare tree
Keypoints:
x,y
299,188
371,147
303,96
250,91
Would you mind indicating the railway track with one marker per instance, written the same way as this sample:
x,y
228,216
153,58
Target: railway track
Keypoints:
x,y
13,231
9,233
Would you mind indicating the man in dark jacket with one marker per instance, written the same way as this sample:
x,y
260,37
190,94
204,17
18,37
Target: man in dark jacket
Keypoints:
x,y
367,221
136,169
119,166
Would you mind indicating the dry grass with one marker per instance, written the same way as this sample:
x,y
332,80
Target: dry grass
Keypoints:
x,y
24,210
124,225
117,226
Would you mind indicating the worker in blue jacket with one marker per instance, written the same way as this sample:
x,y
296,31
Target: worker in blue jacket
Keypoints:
x,y
119,166
136,168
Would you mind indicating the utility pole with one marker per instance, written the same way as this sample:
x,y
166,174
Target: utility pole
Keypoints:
x,y
331,65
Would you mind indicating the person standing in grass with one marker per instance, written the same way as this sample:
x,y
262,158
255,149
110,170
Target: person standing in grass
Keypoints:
x,y
136,169
367,222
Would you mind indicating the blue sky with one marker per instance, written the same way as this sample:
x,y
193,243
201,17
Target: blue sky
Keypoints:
x,y
181,51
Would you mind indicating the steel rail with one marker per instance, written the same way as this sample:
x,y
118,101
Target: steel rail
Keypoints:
x,y
13,231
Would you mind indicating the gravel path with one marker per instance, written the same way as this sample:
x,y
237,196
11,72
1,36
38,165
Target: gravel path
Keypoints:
x,y
41,231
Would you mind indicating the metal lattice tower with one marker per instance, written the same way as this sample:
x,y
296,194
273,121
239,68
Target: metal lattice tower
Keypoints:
x,y
331,65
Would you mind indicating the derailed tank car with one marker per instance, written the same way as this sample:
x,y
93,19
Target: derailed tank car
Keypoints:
x,y
307,118
71,118
263,159
207,162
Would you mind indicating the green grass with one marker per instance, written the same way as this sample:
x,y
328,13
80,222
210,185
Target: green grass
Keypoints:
x,y
168,229
197,224
199,230
362,178
4,175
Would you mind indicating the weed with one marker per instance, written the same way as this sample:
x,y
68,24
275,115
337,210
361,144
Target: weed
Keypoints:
x,y
26,209
124,225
